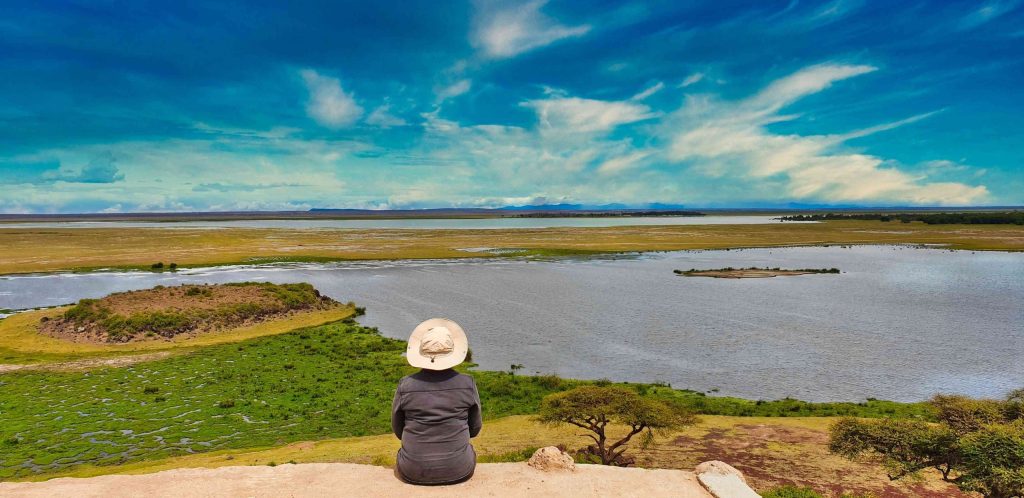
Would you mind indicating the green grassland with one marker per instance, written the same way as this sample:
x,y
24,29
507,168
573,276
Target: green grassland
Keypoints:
x,y
330,381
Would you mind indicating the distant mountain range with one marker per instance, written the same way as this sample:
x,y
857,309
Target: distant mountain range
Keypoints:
x,y
657,206
539,210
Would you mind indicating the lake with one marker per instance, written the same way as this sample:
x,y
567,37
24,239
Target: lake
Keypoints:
x,y
899,323
419,223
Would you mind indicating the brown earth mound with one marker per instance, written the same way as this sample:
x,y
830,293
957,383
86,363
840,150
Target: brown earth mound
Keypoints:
x,y
167,312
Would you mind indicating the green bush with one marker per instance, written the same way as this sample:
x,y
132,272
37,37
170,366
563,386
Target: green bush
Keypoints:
x,y
510,457
791,492
978,445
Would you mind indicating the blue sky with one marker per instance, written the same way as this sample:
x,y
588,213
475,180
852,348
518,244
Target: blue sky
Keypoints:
x,y
168,106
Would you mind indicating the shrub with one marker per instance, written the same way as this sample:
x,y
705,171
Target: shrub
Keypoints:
x,y
594,407
157,266
511,456
227,403
550,382
977,444
791,492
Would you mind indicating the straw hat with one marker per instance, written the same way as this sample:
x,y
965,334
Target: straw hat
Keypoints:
x,y
437,344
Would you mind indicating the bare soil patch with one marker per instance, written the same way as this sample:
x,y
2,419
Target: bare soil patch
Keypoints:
x,y
189,310
785,453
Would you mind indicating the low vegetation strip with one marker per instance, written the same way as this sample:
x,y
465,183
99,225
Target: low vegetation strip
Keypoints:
x,y
752,272
330,381
83,249
968,218
188,309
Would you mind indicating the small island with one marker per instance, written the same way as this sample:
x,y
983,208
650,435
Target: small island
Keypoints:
x,y
186,310
752,272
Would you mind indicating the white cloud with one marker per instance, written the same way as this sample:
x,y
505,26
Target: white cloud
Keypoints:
x,y
505,30
329,104
692,79
573,114
454,90
653,89
383,118
730,139
621,163
802,83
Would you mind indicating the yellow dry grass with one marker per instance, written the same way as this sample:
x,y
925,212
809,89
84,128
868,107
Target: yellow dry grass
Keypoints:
x,y
42,250
20,341
770,451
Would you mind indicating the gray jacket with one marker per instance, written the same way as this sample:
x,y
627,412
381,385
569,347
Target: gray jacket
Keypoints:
x,y
434,414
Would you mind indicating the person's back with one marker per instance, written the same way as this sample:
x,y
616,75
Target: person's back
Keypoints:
x,y
435,413
436,410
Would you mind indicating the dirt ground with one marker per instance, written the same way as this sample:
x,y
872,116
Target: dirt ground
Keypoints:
x,y
778,452
202,297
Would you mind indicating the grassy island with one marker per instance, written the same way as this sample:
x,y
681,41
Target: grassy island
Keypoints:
x,y
752,272
167,312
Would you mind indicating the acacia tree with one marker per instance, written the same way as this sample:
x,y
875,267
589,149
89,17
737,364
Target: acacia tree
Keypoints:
x,y
595,407
976,444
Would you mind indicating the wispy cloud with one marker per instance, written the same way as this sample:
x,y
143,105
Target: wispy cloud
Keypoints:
x,y
731,138
383,118
505,30
329,104
453,90
651,90
619,164
692,79
802,83
987,12
579,115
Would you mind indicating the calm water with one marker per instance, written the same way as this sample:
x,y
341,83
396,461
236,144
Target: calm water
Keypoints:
x,y
898,323
440,223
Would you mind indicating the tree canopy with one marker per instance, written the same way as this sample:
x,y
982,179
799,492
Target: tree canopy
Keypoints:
x,y
978,444
595,407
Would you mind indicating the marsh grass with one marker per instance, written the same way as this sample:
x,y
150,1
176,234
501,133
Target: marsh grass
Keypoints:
x,y
242,395
85,249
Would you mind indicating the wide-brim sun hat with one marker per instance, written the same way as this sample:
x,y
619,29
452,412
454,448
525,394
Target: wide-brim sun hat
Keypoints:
x,y
437,344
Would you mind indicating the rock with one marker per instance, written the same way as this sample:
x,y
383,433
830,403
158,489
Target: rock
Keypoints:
x,y
719,468
723,480
551,459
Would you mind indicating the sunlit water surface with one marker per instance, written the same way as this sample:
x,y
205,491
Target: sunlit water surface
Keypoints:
x,y
898,323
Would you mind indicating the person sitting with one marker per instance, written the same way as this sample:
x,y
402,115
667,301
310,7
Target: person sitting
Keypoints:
x,y
436,410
